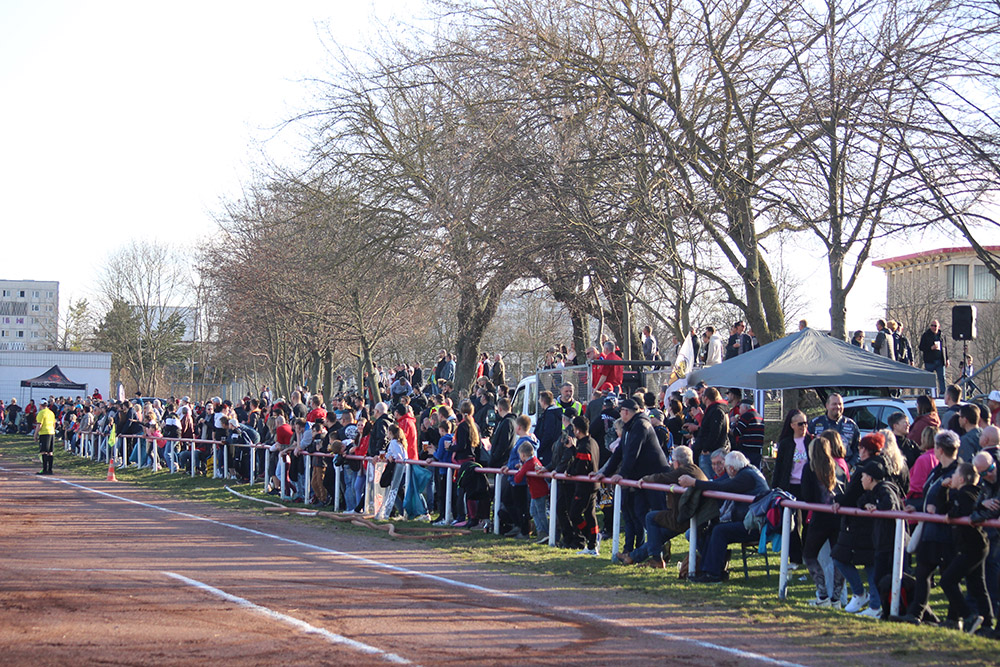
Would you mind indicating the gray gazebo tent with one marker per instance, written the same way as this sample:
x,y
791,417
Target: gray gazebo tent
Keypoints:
x,y
807,359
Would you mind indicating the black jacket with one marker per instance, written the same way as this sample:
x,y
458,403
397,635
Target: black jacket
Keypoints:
x,y
714,430
502,440
781,478
639,453
380,435
547,430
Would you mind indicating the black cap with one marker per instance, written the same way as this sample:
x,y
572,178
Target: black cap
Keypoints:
x,y
611,400
629,404
656,412
570,412
875,469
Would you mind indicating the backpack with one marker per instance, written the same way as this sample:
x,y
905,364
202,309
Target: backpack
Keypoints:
x,y
472,482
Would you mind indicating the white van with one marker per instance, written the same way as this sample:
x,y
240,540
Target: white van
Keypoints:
x,y
525,401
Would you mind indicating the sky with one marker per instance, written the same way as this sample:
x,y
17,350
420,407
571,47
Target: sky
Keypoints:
x,y
135,120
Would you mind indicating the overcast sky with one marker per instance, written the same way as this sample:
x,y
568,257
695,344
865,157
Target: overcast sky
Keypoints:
x,y
124,120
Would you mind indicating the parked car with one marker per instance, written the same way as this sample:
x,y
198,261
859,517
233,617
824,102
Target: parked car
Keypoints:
x,y
872,412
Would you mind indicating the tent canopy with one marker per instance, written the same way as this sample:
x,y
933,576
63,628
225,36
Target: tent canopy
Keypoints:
x,y
53,378
807,359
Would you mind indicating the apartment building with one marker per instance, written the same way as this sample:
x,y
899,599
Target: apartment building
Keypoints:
x,y
29,314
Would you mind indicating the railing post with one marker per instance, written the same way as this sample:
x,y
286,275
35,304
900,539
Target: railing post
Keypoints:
x,y
497,479
307,487
369,485
693,547
786,536
406,481
193,454
253,463
897,566
155,455
225,461
124,451
616,522
267,467
553,503
448,483
215,461
283,465
338,472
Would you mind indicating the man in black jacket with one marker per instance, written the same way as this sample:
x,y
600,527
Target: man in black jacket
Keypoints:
x,y
935,352
639,454
714,430
503,435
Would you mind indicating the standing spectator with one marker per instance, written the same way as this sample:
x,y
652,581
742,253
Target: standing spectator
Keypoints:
x,y
968,419
822,481
935,352
380,429
882,345
650,348
900,427
971,549
834,418
747,433
548,426
612,375
927,415
583,509
639,454
858,339
713,347
993,403
503,436
901,344
714,430
988,508
498,374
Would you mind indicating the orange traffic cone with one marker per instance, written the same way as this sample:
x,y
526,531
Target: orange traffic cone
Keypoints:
x,y
111,470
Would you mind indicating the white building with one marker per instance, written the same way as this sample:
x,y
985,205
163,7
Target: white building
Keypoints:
x,y
29,314
92,369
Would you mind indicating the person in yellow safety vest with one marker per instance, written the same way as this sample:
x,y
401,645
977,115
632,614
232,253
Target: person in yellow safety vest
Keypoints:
x,y
566,399
45,435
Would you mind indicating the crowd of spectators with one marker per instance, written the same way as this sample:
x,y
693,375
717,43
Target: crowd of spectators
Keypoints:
x,y
701,439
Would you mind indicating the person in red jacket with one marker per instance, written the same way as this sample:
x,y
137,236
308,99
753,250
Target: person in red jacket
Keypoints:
x,y
317,413
408,423
611,374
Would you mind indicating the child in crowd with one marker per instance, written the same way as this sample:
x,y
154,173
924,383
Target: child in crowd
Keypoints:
x,y
446,430
583,512
971,548
537,487
520,500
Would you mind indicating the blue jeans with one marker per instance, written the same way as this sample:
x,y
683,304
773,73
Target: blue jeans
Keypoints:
x,y
853,579
656,537
539,512
350,495
714,553
937,367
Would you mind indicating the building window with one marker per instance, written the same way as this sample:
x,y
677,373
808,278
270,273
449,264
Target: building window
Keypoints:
x,y
35,294
20,334
3,334
20,294
35,308
6,292
48,309
958,281
49,294
984,284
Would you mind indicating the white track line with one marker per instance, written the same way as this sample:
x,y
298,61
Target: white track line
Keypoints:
x,y
739,653
292,621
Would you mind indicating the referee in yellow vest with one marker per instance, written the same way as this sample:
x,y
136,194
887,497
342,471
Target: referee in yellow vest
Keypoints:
x,y
45,435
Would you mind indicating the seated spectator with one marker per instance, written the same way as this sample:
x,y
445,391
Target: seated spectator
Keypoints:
x,y
742,478
664,525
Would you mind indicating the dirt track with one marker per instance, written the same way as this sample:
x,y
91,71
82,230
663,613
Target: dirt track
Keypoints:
x,y
132,611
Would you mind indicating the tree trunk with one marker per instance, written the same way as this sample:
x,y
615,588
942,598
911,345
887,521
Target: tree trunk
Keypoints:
x,y
475,312
327,374
368,367
581,330
838,298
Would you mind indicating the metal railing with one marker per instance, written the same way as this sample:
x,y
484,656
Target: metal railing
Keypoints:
x,y
100,442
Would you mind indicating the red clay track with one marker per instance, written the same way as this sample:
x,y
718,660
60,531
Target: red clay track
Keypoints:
x,y
54,611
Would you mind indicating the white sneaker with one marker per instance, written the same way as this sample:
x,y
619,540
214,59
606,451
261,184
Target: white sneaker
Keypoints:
x,y
588,552
442,522
857,603
821,603
871,613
